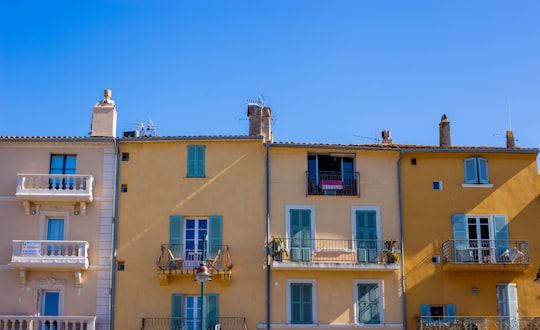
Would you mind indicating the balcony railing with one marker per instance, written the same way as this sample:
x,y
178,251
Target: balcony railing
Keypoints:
x,y
336,251
29,322
510,253
181,323
70,187
477,323
332,183
50,254
179,260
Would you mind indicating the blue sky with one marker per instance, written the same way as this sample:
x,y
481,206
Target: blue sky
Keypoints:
x,y
332,71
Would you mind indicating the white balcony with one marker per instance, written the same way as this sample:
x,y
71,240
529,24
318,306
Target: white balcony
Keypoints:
x,y
50,255
29,322
40,188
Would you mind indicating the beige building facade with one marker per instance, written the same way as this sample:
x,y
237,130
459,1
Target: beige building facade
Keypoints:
x,y
56,240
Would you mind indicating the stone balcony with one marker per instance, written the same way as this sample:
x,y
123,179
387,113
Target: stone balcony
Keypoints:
x,y
50,255
29,322
41,188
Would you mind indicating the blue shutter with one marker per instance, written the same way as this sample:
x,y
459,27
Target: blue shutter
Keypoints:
x,y
212,310
471,170
176,232
451,313
177,311
195,163
215,235
461,241
425,312
483,176
500,222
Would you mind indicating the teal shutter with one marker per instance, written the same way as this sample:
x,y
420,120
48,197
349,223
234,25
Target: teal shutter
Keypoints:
x,y
500,222
461,241
212,310
215,235
368,303
300,224
483,176
196,159
301,303
451,313
366,236
471,170
177,311
176,232
425,312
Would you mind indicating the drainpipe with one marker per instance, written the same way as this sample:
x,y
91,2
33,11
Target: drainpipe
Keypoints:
x,y
267,236
403,300
114,221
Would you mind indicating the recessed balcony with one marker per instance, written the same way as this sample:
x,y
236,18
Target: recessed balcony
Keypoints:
x,y
177,260
332,183
16,322
40,188
50,255
334,254
489,255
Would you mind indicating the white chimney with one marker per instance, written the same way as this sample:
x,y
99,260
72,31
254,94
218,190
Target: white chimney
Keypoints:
x,y
104,116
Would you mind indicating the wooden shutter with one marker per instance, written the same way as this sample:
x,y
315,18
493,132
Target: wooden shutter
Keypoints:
x,y
177,311
366,235
176,232
471,170
300,224
301,303
483,176
500,223
215,235
212,310
425,312
451,313
461,238
196,159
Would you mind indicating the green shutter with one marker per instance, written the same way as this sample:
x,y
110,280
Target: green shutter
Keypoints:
x,y
471,170
177,311
300,226
301,303
366,235
212,310
195,162
176,232
215,235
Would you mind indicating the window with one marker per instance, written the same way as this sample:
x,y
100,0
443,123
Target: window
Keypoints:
x,y
476,170
55,229
125,156
368,302
508,305
186,311
300,228
331,174
62,164
301,301
437,185
195,161
366,231
186,236
438,313
480,238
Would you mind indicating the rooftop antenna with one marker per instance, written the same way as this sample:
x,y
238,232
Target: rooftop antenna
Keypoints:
x,y
376,139
509,114
151,127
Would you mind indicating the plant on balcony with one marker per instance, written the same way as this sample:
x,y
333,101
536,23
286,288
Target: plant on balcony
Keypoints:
x,y
391,255
278,249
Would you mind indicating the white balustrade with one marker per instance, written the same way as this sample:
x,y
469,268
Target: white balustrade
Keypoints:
x,y
51,185
30,322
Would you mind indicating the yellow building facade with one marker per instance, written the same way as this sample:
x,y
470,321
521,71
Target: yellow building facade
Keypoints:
x,y
334,231
471,251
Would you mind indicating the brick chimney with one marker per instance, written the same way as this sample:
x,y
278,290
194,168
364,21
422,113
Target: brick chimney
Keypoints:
x,y
104,117
260,119
386,137
444,132
510,141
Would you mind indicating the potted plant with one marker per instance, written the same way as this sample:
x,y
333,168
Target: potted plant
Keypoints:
x,y
278,249
391,255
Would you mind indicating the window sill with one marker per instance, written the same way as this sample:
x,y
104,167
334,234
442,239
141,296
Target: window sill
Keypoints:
x,y
477,185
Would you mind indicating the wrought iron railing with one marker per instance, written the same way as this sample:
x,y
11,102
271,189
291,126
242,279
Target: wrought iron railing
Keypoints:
x,y
486,252
182,323
478,323
332,183
334,250
29,322
181,257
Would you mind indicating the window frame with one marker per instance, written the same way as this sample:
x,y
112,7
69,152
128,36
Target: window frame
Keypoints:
x,y
380,288
44,217
313,284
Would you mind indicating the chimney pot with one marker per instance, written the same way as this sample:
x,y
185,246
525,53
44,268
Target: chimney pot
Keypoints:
x,y
444,132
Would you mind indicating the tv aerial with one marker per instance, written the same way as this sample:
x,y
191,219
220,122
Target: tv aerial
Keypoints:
x,y
376,139
146,130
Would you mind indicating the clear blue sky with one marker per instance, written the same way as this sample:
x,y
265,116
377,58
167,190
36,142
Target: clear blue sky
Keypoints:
x,y
332,71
